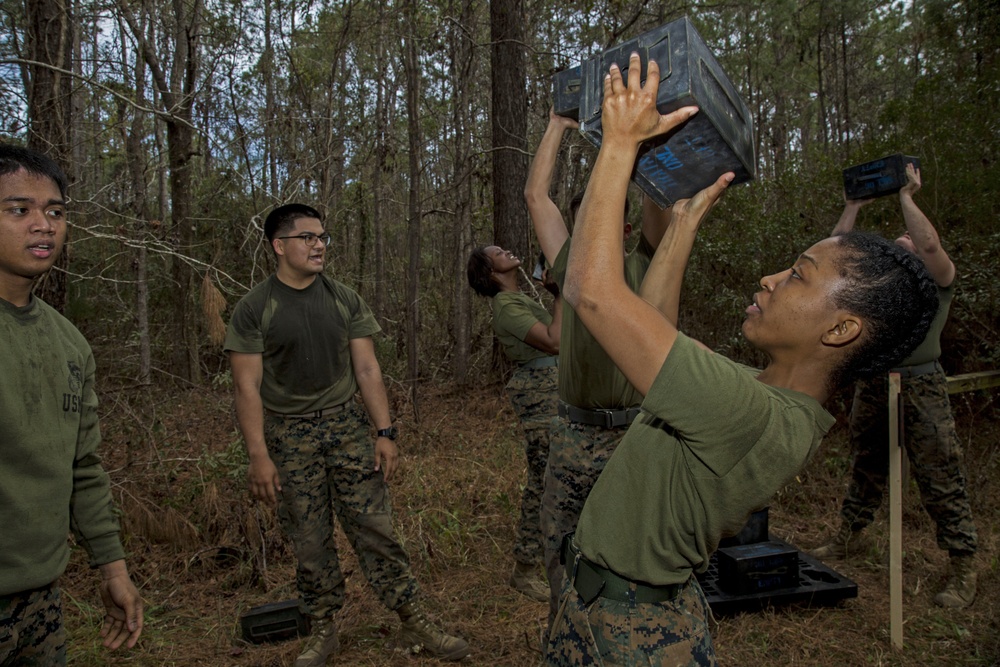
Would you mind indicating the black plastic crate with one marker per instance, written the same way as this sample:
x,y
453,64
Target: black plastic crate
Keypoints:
x,y
757,568
884,176
817,584
716,140
274,622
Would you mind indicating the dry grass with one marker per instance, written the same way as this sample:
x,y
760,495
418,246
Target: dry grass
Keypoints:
x,y
202,552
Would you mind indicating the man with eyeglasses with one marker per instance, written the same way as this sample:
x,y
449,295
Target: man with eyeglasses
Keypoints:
x,y
300,345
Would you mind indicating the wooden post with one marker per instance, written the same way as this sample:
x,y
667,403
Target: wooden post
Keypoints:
x,y
895,514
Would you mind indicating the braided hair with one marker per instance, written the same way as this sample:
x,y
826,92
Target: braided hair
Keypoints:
x,y
891,290
480,272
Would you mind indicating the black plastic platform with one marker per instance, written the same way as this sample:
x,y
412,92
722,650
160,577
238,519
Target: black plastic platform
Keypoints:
x,y
818,585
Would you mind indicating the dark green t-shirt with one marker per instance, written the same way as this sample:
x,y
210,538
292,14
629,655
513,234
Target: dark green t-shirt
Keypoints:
x,y
514,313
587,376
304,339
930,348
711,446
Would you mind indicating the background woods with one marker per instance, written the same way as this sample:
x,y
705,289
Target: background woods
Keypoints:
x,y
410,125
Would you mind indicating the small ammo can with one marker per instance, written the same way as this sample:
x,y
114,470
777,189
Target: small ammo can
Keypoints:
x,y
756,568
883,176
274,622
566,93
716,140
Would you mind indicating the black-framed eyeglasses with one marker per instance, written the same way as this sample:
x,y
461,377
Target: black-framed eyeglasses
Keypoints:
x,y
310,239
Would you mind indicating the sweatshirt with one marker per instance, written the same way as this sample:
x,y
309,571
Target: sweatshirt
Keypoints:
x,y
51,479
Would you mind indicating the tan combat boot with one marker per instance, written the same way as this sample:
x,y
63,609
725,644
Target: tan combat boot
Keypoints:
x,y
322,643
960,590
420,635
524,579
838,546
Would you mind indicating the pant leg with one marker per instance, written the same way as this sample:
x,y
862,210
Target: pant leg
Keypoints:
x,y
870,452
31,629
298,448
608,632
534,395
577,455
361,500
936,461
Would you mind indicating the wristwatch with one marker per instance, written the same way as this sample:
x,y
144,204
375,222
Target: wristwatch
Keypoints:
x,y
390,433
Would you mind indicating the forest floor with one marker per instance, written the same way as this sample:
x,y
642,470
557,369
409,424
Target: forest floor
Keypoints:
x,y
203,553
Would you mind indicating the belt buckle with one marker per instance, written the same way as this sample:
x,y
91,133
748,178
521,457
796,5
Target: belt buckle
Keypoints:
x,y
609,417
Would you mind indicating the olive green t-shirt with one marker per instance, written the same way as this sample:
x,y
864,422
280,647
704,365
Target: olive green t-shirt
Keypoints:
x,y
587,376
930,348
304,338
711,446
514,313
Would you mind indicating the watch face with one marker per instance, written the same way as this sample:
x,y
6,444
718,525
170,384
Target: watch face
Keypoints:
x,y
390,432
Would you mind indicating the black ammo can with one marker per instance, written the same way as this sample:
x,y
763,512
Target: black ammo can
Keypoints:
x,y
883,176
750,569
274,622
716,140
566,93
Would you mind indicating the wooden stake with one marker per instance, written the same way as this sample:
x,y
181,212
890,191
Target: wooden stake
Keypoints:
x,y
895,514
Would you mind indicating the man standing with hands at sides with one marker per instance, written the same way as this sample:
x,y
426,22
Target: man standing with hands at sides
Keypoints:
x,y
596,402
51,479
715,439
930,438
301,347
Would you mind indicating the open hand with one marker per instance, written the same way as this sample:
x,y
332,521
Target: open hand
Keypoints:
x,y
123,606
629,112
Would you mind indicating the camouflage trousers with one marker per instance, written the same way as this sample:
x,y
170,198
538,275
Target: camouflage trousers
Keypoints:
x,y
534,394
577,455
933,449
31,629
609,632
327,468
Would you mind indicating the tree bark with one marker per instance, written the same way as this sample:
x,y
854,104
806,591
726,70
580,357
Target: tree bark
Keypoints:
x,y
48,41
462,67
509,122
177,89
411,64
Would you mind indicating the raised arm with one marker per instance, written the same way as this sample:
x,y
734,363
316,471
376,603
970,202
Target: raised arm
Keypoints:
x,y
925,239
661,287
655,221
550,228
849,216
635,335
546,338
